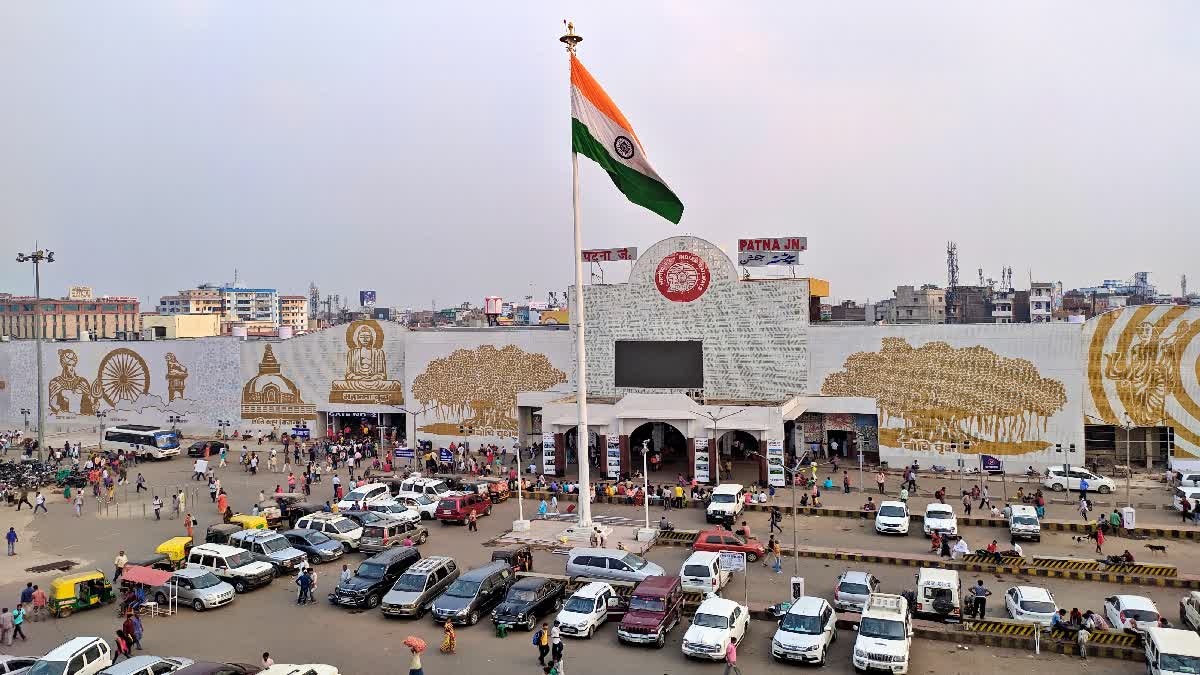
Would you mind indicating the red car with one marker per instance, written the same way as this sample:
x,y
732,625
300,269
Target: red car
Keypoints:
x,y
724,540
456,507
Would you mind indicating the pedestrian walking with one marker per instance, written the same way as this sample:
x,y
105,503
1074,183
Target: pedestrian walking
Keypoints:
x,y
966,502
23,498
541,640
880,480
18,619
119,564
731,658
6,627
776,518
1083,488
845,489
131,630
156,505
78,504
212,489
40,604
11,538
556,645
121,644
1083,508
414,665
198,470
472,522
39,502
188,523
304,581
141,482
1099,541
980,595
174,505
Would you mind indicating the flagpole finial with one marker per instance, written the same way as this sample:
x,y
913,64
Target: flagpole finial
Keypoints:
x,y
571,40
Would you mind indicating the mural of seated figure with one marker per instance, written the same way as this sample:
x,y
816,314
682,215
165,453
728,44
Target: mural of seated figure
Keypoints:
x,y
366,379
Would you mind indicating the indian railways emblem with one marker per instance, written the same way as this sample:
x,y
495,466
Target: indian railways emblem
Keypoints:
x,y
682,276
623,147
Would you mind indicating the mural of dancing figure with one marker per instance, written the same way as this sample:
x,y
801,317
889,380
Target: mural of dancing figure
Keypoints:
x,y
176,378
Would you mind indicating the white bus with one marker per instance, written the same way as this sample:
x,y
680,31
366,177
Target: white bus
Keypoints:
x,y
147,441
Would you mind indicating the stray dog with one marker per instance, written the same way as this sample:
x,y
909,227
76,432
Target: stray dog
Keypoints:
x,y
1157,548
1079,539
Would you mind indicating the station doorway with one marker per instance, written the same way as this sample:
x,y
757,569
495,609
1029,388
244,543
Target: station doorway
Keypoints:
x,y
741,457
668,448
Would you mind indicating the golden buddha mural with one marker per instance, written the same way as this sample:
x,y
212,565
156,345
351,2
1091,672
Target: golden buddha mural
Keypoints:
x,y
366,378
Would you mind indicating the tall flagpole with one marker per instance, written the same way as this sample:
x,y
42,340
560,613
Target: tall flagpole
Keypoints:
x,y
582,437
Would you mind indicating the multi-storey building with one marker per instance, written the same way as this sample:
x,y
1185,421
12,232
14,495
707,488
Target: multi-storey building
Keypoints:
x,y
70,319
293,311
926,304
1041,302
1002,305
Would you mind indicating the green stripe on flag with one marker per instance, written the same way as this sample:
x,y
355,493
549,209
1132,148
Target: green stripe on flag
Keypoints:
x,y
638,187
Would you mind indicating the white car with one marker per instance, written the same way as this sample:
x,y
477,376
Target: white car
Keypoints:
x,y
885,635
940,517
716,621
1057,479
396,511
1030,604
422,504
1131,612
78,656
587,609
892,518
365,496
16,665
806,631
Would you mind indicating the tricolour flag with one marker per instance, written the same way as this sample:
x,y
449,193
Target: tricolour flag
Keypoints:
x,y
601,132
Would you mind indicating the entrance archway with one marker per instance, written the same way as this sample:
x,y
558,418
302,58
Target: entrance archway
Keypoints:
x,y
571,441
668,445
741,456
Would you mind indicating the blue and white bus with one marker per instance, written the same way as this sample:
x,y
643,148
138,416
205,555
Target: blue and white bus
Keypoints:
x,y
145,440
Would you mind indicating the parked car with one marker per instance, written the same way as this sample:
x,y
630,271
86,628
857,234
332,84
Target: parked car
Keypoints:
x,y
892,518
885,633
725,504
1058,479
337,527
1132,613
805,632
474,593
415,590
211,668
940,518
1031,604
421,503
716,622
724,540
374,578
395,510
655,607
457,507
232,565
702,573
197,588
1189,611
588,608
214,448
363,496
387,533
16,665
144,664
528,600
270,547
520,556
434,488
610,563
851,590
316,545
77,656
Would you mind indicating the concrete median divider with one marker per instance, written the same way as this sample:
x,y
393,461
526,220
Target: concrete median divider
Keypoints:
x,y
1113,638
1063,563
677,537
1000,627
1145,569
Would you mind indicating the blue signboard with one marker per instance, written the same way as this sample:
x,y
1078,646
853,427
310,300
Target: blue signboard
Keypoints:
x,y
300,432
404,453
445,455
991,464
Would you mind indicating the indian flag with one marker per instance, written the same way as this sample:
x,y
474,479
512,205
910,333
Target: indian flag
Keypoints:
x,y
601,132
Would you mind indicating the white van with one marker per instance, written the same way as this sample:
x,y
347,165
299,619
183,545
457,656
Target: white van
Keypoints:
x,y
702,573
78,656
726,503
1023,523
939,593
1170,651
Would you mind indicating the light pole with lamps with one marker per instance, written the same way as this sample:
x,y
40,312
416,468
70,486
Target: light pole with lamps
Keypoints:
x,y
795,472
646,481
712,438
37,258
174,421
1128,425
100,415
223,426
25,412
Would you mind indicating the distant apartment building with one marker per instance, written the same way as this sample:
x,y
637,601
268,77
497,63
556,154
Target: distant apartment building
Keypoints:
x,y
1041,302
1002,305
926,304
849,311
70,318
242,306
202,300
179,326
970,304
293,311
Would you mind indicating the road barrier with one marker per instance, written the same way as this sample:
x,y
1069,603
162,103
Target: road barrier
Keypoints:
x,y
1114,638
1145,569
1054,563
987,558
1001,627
677,537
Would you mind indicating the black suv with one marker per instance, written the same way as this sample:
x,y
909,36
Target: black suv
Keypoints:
x,y
214,448
528,600
473,594
374,577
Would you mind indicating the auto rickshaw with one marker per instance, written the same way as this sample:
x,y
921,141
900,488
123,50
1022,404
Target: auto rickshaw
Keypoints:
x,y
248,522
520,557
82,590
221,532
497,489
176,550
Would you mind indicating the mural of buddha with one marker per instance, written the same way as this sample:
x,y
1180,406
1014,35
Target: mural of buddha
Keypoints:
x,y
366,379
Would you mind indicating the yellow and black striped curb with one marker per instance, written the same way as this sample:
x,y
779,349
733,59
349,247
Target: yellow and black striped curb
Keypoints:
x,y
1101,637
987,558
1145,569
677,538
1001,627
1065,563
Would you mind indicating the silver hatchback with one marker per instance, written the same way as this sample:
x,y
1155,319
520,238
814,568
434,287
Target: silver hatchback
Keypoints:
x,y
851,590
198,588
610,563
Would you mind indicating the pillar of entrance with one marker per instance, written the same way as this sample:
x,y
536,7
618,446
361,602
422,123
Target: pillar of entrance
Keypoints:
x,y
762,464
714,459
560,454
691,458
601,473
626,463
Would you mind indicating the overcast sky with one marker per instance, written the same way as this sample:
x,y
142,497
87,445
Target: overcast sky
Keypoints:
x,y
422,149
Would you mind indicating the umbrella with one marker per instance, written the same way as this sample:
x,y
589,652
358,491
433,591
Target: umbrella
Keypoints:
x,y
415,643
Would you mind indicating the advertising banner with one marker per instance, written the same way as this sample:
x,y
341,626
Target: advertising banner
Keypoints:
x,y
700,466
444,455
613,457
404,453
771,251
366,298
548,466
775,471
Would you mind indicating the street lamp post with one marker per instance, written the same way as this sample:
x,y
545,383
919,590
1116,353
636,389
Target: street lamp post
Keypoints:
x,y
1128,425
223,425
100,415
712,437
174,421
25,412
37,258
646,481
795,472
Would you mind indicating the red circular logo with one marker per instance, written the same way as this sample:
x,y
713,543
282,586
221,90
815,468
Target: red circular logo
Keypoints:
x,y
682,277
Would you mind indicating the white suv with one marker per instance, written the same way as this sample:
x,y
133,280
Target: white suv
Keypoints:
x,y
1057,479
338,528
365,496
587,609
77,656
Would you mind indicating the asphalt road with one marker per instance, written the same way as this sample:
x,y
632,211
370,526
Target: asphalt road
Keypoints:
x,y
365,642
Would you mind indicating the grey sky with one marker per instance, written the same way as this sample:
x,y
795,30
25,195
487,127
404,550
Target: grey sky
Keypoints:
x,y
422,149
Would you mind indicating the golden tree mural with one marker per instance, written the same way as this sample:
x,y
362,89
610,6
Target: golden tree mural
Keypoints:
x,y
951,395
478,387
